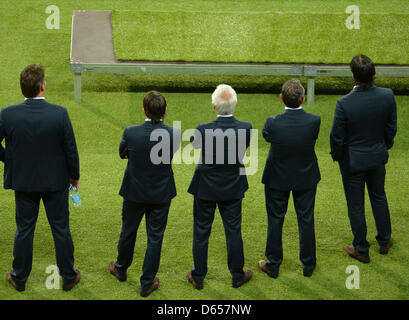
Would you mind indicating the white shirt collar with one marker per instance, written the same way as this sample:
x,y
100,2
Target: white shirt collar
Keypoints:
x,y
36,98
147,119
224,115
299,108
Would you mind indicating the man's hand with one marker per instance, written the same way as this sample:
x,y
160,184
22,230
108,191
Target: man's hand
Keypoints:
x,y
75,183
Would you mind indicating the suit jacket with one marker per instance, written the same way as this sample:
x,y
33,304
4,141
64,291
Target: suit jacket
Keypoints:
x,y
364,128
291,163
223,144
41,153
148,176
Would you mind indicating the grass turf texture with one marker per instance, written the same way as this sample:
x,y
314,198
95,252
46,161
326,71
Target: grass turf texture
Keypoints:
x,y
258,37
96,224
98,123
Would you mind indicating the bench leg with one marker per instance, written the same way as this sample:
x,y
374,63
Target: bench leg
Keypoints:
x,y
310,91
77,87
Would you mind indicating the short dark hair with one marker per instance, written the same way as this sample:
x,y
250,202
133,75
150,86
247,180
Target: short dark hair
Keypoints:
x,y
363,70
292,93
154,105
31,79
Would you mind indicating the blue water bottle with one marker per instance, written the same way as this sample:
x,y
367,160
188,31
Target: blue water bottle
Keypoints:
x,y
75,197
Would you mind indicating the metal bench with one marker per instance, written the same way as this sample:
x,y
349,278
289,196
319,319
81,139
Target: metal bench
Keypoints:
x,y
92,51
312,71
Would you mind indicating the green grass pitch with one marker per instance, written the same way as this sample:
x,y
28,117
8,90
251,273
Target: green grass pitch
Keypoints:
x,y
221,37
112,102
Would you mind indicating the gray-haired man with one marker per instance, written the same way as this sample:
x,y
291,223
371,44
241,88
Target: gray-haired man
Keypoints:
x,y
219,180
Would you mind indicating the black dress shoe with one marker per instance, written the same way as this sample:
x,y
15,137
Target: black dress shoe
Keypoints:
x,y
14,284
307,273
263,266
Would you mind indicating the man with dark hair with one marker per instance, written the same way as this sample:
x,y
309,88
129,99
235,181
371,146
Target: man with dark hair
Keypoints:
x,y
147,189
40,161
291,166
363,71
31,80
154,106
363,130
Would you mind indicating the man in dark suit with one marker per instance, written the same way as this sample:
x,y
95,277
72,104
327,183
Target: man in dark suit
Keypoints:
x,y
291,166
147,189
363,131
220,180
40,161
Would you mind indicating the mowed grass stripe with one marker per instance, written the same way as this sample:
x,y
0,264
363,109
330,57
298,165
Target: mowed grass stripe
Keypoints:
x,y
258,37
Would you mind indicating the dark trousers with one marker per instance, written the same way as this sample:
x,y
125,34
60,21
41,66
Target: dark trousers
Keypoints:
x,y
354,187
277,204
203,215
56,207
156,216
